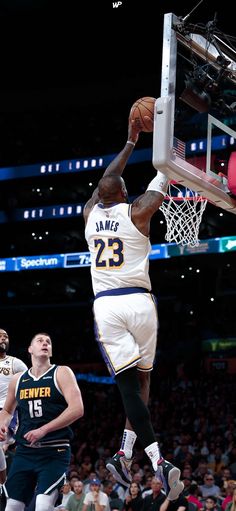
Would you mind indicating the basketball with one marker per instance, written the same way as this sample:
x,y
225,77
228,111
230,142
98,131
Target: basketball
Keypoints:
x,y
141,108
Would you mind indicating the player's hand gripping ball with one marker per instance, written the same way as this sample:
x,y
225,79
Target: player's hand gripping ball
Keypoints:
x,y
142,113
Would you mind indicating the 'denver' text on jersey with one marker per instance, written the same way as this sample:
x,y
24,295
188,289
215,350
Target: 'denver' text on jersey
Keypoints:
x,y
40,401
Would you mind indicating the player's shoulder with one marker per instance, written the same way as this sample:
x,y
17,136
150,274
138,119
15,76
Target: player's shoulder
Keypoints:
x,y
7,361
18,364
64,375
11,357
15,358
64,369
122,207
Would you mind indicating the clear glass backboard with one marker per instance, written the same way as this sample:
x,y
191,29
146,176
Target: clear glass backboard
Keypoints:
x,y
194,141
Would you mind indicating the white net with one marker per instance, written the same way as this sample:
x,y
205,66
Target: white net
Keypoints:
x,y
183,215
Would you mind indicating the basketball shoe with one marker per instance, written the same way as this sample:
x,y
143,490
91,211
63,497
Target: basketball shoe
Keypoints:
x,y
169,475
120,467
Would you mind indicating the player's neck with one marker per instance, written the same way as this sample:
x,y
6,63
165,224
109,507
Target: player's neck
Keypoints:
x,y
40,367
3,355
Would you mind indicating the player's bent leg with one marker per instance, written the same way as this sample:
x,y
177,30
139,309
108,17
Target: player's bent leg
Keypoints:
x,y
144,380
139,417
14,505
46,501
135,409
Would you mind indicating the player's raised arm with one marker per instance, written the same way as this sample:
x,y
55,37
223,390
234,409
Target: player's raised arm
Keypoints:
x,y
118,164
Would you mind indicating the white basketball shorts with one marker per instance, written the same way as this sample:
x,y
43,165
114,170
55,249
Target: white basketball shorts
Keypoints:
x,y
126,329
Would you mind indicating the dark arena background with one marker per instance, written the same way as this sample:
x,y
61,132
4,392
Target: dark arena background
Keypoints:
x,y
68,80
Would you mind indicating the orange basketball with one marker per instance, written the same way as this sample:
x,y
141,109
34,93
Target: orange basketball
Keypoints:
x,y
141,108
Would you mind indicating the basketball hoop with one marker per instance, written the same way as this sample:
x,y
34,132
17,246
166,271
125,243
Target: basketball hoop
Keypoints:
x,y
183,214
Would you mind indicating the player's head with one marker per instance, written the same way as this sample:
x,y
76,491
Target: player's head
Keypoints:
x,y
112,189
41,344
4,341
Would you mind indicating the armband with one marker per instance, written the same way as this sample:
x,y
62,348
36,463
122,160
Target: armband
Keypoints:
x,y
159,184
130,142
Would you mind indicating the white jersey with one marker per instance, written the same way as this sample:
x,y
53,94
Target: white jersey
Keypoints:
x,y
119,251
102,499
8,366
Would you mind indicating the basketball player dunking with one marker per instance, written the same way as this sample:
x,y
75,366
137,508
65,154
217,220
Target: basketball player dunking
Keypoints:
x,y
117,234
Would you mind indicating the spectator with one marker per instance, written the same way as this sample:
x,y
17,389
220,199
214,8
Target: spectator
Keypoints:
x,y
193,494
137,478
75,501
209,487
147,488
187,471
230,487
154,500
86,465
217,460
187,483
73,480
231,506
182,454
117,487
201,471
133,501
211,504
109,490
87,482
180,504
66,492
95,497
223,478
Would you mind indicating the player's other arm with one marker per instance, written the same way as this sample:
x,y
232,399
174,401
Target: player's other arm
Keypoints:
x,y
144,207
9,407
75,408
118,164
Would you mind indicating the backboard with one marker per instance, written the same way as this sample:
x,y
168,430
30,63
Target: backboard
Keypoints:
x,y
196,107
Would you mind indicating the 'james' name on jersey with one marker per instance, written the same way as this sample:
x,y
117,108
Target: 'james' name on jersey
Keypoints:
x,y
119,251
107,225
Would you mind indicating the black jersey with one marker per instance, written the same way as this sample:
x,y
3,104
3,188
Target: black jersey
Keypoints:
x,y
39,400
